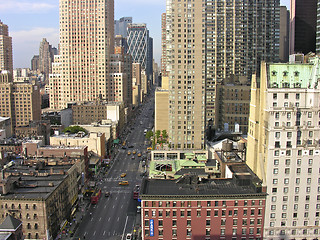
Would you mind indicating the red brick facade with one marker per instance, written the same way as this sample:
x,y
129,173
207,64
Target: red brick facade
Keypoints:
x,y
203,219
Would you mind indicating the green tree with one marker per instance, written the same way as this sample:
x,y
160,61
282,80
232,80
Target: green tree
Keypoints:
x,y
74,129
149,134
158,133
164,134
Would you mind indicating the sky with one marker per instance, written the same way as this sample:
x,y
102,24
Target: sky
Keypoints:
x,y
30,21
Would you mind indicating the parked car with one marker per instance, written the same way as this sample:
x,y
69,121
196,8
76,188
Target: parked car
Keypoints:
x,y
107,194
123,175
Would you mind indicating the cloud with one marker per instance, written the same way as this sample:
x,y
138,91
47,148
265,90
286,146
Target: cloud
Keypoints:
x,y
22,6
26,43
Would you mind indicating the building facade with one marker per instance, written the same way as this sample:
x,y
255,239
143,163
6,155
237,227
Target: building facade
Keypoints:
x,y
140,47
200,55
21,102
233,104
197,210
303,24
45,58
283,142
121,25
82,70
6,62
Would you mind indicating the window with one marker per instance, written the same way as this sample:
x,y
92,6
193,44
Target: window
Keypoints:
x,y
160,222
208,222
286,181
276,161
275,181
188,222
188,232
182,213
277,134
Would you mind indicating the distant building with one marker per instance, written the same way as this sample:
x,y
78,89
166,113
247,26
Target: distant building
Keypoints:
x,y
21,102
121,68
161,114
92,112
6,62
81,71
303,23
95,141
120,26
140,47
46,58
35,129
233,104
164,72
35,63
284,34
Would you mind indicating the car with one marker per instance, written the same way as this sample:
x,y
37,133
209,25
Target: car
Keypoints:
x,y
139,154
149,148
134,152
132,157
123,175
129,236
129,152
107,194
124,147
130,146
124,183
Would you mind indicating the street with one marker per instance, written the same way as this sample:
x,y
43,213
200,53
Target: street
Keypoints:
x,y
115,216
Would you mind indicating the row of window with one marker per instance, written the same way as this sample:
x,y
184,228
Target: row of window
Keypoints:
x,y
296,189
27,206
295,232
202,203
208,213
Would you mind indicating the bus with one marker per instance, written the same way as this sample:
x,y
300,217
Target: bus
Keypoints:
x,y
136,190
95,196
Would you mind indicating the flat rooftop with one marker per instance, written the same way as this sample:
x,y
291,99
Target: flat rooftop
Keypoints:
x,y
32,183
193,187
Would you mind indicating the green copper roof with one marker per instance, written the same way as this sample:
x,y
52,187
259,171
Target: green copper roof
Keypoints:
x,y
294,75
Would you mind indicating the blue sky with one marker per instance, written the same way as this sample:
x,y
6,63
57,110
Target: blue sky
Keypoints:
x,y
31,20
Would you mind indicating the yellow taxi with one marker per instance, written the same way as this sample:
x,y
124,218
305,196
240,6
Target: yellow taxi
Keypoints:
x,y
123,175
129,152
124,183
149,148
134,152
139,154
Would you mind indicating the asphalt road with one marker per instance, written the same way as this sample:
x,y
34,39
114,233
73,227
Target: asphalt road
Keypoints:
x,y
115,216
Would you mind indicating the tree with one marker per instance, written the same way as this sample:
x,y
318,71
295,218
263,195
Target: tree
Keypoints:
x,y
158,133
164,134
74,129
149,134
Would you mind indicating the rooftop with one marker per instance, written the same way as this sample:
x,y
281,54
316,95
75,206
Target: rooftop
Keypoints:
x,y
193,186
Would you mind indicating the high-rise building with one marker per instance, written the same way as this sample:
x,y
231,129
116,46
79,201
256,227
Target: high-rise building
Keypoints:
x,y
318,29
283,142
164,72
120,26
82,70
6,62
140,46
236,37
284,34
303,24
46,58
21,102
35,63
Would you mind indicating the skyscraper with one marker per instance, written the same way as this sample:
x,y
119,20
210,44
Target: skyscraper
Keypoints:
x,y
45,57
284,34
140,46
207,42
303,23
120,26
6,62
283,142
82,70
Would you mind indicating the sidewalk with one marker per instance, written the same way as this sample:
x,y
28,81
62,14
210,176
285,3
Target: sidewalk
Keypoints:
x,y
72,226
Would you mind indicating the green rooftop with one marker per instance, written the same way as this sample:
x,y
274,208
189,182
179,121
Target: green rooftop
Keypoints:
x,y
294,75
